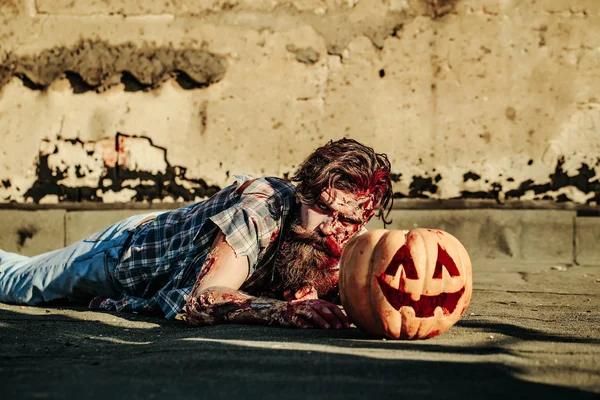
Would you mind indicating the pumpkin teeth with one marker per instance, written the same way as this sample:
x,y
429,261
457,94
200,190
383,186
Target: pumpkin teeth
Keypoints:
x,y
425,306
418,297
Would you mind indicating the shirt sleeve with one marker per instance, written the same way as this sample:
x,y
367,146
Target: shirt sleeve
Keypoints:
x,y
125,303
167,301
249,226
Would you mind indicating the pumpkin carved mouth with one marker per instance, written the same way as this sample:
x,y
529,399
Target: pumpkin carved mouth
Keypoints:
x,y
405,284
426,305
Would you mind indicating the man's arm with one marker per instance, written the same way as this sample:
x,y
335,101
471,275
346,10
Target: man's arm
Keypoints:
x,y
215,298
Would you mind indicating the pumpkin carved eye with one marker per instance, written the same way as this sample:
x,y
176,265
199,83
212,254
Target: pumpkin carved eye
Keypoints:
x,y
404,259
392,283
444,260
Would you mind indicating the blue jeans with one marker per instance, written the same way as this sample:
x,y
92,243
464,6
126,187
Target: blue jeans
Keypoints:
x,y
85,267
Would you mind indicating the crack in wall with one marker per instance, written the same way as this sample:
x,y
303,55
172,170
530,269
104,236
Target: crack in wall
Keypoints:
x,y
97,65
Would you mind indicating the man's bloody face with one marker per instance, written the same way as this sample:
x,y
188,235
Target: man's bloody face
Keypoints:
x,y
311,252
337,214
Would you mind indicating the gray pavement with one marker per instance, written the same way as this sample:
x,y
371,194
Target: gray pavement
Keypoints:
x,y
531,331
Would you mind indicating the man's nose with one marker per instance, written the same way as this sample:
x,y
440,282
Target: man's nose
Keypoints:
x,y
326,226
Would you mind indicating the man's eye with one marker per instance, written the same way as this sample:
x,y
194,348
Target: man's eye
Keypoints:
x,y
322,206
351,221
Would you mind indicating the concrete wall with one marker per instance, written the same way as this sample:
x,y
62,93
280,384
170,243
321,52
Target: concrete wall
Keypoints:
x,y
163,101
538,237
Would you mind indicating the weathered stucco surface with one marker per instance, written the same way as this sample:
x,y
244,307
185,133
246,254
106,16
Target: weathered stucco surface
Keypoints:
x,y
164,101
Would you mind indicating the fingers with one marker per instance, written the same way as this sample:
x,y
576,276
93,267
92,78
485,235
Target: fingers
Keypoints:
x,y
339,315
313,316
332,314
319,313
300,322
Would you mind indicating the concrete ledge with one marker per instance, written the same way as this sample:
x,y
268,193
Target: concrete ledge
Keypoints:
x,y
32,232
587,240
530,236
527,235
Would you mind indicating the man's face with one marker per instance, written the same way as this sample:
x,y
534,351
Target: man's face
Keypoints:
x,y
311,252
337,214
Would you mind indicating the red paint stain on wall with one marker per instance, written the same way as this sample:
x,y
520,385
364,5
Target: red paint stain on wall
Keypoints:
x,y
123,149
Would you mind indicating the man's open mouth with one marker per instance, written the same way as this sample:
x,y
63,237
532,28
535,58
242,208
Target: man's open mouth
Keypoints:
x,y
426,305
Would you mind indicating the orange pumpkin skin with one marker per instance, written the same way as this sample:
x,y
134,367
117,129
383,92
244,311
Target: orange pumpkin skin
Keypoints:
x,y
405,284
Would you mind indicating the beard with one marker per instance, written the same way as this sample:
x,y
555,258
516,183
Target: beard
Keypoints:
x,y
306,258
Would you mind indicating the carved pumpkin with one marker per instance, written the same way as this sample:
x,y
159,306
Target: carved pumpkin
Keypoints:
x,y
405,284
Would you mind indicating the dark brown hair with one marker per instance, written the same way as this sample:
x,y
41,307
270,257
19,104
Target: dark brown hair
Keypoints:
x,y
346,165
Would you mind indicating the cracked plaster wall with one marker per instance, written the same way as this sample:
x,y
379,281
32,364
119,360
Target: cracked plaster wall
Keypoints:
x,y
161,101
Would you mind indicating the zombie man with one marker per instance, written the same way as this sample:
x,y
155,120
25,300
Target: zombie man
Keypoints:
x,y
259,251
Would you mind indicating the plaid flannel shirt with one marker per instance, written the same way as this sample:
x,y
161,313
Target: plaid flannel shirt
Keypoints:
x,y
165,256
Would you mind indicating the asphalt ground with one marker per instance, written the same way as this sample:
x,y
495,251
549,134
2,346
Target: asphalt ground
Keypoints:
x,y
531,331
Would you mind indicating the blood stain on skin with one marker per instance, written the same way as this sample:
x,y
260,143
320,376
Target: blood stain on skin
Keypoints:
x,y
210,261
332,247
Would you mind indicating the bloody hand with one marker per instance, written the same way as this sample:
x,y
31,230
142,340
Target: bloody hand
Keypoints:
x,y
314,314
219,304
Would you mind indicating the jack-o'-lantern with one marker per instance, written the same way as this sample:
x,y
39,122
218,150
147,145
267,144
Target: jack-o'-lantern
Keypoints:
x,y
405,284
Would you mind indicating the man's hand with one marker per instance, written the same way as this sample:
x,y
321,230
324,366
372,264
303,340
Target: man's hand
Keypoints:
x,y
220,304
314,314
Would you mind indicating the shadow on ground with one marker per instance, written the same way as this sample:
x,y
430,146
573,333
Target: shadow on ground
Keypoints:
x,y
57,356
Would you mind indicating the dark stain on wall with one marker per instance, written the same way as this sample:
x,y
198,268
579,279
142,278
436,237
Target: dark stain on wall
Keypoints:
x,y
559,179
584,181
439,8
25,233
172,182
306,55
420,185
97,65
472,176
492,193
395,177
77,83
